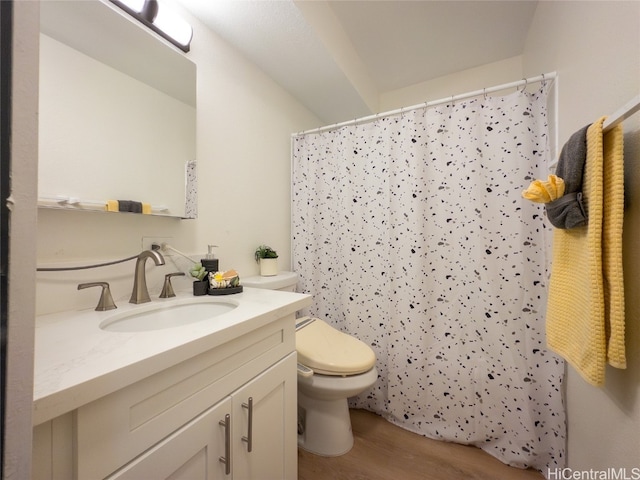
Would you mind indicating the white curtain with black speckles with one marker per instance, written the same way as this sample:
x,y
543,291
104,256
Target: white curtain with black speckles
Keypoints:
x,y
411,233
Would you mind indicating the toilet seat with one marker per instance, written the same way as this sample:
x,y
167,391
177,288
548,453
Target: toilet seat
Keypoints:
x,y
328,351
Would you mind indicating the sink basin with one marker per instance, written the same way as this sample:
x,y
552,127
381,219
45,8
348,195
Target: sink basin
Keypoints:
x,y
158,317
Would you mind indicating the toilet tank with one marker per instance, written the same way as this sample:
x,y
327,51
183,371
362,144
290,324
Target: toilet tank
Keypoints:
x,y
284,281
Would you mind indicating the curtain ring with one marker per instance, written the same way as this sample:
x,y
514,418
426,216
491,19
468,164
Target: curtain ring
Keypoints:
x,y
526,82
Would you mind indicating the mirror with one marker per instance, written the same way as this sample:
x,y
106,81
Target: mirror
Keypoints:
x,y
117,113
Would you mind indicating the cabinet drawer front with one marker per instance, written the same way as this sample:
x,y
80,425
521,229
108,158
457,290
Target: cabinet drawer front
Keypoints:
x,y
115,429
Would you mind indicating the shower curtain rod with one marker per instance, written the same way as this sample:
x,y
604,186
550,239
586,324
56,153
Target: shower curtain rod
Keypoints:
x,y
453,98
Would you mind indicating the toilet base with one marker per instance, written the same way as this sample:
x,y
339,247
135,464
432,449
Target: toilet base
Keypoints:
x,y
326,426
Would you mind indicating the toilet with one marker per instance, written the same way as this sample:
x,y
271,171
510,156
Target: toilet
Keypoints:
x,y
332,366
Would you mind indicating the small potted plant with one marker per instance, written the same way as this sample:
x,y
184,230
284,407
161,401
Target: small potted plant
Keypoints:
x,y
200,284
267,258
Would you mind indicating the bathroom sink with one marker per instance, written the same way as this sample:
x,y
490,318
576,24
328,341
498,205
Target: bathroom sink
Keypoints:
x,y
158,317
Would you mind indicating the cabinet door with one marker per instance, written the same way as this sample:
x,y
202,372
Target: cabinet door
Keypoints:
x,y
193,452
265,435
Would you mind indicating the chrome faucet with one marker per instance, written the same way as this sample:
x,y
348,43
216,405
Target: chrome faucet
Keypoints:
x,y
140,292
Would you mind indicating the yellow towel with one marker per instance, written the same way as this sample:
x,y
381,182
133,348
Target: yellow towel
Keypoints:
x,y
613,212
541,191
578,298
146,208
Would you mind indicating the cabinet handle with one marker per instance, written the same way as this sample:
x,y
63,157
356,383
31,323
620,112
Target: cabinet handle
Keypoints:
x,y
249,437
227,444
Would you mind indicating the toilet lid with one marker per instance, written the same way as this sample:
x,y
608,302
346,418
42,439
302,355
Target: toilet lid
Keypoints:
x,y
331,352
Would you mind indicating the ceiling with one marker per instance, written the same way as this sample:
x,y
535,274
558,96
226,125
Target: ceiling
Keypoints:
x,y
337,57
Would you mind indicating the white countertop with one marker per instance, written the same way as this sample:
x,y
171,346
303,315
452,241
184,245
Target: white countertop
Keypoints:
x,y
76,362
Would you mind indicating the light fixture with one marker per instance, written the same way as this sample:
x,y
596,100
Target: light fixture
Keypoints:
x,y
174,26
161,19
133,5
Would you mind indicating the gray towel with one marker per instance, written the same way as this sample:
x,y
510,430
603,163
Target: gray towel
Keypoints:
x,y
568,210
129,206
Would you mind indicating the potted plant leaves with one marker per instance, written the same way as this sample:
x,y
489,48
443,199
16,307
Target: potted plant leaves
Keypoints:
x,y
267,258
200,284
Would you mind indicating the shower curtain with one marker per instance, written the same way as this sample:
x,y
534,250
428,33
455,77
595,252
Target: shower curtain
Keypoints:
x,y
411,233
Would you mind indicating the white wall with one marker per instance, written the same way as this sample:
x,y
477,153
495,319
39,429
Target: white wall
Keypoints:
x,y
470,80
595,49
244,123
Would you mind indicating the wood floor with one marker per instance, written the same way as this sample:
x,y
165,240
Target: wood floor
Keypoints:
x,y
383,451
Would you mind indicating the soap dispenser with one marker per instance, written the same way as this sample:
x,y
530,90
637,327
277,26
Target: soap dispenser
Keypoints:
x,y
210,262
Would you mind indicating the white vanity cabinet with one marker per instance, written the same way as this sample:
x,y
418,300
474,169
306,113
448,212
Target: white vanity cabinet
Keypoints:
x,y
216,444
227,413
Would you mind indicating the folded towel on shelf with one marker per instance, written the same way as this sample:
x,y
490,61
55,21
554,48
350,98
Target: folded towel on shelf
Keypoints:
x,y
130,206
545,191
146,208
127,206
569,212
585,311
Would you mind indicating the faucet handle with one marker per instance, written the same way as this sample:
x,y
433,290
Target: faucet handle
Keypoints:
x,y
167,288
106,300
